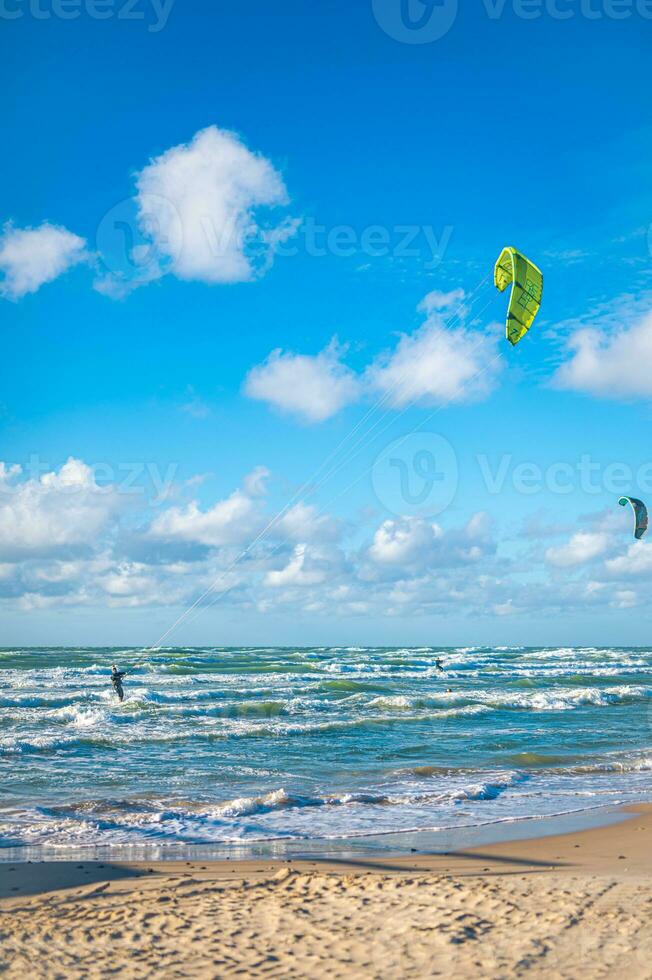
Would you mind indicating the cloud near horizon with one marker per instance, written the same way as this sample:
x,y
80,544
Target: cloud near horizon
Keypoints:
x,y
584,546
66,540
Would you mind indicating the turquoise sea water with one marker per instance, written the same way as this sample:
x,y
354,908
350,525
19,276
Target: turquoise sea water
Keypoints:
x,y
216,745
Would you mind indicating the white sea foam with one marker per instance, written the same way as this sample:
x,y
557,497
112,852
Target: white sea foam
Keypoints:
x,y
261,744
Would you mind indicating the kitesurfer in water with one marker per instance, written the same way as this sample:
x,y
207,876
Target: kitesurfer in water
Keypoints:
x,y
116,680
438,664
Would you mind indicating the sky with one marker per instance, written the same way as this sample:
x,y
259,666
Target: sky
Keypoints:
x,y
256,387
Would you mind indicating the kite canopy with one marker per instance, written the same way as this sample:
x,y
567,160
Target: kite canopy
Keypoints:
x,y
640,514
525,297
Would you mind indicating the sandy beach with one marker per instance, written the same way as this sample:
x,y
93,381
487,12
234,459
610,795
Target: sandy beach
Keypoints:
x,y
573,905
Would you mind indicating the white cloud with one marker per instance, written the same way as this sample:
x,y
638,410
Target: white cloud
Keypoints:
x,y
197,205
610,363
255,483
411,543
625,599
8,473
228,522
479,528
583,547
314,388
303,522
30,257
62,512
404,542
636,561
135,585
300,570
440,362
66,541
435,301
505,608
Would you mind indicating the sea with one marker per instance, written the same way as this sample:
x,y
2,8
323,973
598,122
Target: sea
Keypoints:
x,y
232,748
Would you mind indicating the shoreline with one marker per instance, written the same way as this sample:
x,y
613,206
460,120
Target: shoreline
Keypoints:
x,y
599,842
393,843
568,904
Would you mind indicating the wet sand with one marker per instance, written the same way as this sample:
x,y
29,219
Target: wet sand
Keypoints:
x,y
573,905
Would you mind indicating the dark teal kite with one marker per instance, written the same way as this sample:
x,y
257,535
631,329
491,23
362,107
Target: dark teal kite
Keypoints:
x,y
640,514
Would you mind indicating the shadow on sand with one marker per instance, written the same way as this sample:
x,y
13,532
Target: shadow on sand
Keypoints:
x,y
35,878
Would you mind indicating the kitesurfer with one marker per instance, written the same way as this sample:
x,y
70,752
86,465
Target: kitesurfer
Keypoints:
x,y
116,680
438,664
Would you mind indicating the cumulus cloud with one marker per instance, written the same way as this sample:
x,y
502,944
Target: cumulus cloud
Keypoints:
x,y
436,300
60,514
30,257
406,541
302,569
625,599
583,547
228,522
303,522
636,561
441,361
198,210
610,363
314,388
412,543
67,541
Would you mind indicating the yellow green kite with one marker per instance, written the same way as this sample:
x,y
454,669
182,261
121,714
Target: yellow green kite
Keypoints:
x,y
525,297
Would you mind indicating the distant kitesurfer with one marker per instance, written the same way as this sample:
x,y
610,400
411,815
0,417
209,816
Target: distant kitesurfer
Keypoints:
x,y
438,664
116,680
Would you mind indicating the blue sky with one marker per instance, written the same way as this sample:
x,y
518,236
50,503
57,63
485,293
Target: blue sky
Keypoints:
x,y
331,185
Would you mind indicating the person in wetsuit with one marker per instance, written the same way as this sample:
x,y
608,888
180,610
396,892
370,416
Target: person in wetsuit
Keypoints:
x,y
116,680
439,665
